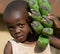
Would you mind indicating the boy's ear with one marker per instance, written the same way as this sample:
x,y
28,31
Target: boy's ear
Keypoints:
x,y
29,19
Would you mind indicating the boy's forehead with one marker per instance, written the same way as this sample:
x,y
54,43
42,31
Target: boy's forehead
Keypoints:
x,y
15,14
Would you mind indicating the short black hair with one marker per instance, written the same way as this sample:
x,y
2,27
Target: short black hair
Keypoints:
x,y
18,4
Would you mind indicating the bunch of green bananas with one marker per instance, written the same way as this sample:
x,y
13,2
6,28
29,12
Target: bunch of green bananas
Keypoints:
x,y
41,24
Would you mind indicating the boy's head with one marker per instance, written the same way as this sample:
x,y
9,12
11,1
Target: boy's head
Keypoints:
x,y
16,8
16,16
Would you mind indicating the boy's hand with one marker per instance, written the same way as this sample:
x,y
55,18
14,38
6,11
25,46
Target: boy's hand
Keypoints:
x,y
55,20
51,17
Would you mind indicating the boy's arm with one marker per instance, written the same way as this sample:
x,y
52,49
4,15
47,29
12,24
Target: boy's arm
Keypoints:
x,y
55,20
8,48
55,42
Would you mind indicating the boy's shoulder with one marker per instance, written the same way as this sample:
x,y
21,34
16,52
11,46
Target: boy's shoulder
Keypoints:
x,y
8,48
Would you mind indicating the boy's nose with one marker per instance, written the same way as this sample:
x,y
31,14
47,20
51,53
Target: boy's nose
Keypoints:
x,y
17,30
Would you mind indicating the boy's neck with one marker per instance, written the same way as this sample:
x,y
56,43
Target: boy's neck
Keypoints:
x,y
30,43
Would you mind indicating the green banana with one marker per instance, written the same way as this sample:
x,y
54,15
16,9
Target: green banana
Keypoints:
x,y
42,42
39,2
46,22
45,7
33,5
34,10
36,17
47,32
37,26
48,5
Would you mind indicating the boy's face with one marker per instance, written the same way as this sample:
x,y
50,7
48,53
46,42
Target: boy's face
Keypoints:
x,y
17,25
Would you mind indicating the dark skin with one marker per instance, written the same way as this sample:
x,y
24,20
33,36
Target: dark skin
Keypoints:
x,y
53,40
18,28
55,20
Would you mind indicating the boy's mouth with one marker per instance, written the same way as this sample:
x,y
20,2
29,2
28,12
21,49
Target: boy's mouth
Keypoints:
x,y
20,37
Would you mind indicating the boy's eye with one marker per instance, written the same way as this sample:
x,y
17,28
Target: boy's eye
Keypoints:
x,y
10,27
21,25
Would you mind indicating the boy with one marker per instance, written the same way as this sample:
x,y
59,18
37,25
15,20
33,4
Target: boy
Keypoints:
x,y
17,19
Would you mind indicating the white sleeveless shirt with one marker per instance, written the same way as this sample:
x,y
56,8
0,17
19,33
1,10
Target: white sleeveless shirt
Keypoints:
x,y
20,48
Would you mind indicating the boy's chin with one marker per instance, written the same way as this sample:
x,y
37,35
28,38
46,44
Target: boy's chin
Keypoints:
x,y
20,40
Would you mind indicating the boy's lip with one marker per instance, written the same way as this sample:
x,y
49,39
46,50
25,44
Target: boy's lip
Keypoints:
x,y
17,36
